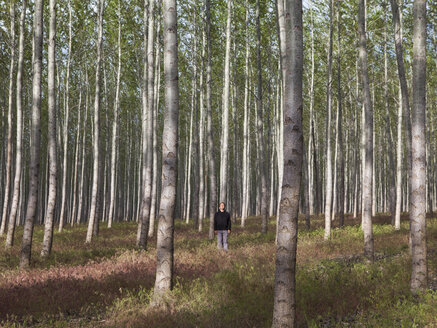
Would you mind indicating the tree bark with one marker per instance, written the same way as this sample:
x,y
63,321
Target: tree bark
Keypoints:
x,y
19,137
225,114
51,203
418,176
328,170
165,246
291,36
340,123
34,165
261,143
368,163
96,140
7,186
211,159
246,124
65,130
115,137
147,138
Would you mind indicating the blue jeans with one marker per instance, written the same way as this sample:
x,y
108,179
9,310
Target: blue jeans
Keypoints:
x,y
222,239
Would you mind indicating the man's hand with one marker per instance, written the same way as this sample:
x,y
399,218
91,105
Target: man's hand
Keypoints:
x,y
229,232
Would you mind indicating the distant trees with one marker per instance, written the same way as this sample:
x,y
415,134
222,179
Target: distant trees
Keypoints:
x,y
98,124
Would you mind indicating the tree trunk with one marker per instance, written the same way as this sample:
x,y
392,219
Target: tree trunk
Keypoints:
x,y
49,220
154,195
418,176
391,193
340,123
291,37
261,143
147,137
164,246
7,186
96,140
367,101
225,113
65,130
19,137
211,160
328,171
201,209
246,123
34,165
115,137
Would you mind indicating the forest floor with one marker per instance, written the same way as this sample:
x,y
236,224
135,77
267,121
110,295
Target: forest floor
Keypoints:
x,y
109,283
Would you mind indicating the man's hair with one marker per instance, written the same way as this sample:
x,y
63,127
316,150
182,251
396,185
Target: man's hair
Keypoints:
x,y
222,203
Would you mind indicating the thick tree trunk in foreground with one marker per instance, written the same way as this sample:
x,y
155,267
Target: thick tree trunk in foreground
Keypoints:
x,y
418,177
26,245
49,220
164,246
368,163
291,36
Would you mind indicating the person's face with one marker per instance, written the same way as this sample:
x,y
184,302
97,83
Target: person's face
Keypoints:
x,y
222,207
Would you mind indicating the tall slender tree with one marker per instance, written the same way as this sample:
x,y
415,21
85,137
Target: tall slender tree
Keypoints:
x,y
96,128
115,139
261,143
225,113
7,187
19,136
51,204
164,246
328,167
368,119
66,121
211,159
34,165
291,40
147,138
418,177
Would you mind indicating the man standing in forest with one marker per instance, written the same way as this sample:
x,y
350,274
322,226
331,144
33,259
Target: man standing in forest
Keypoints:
x,y
222,226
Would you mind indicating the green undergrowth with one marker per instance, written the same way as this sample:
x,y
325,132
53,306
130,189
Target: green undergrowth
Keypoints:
x,y
236,288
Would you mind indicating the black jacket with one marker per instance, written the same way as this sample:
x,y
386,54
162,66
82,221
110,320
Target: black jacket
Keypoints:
x,y
222,221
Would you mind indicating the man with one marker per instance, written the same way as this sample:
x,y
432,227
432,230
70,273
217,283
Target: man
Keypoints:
x,y
222,226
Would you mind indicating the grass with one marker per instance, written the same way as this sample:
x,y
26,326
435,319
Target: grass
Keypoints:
x,y
109,283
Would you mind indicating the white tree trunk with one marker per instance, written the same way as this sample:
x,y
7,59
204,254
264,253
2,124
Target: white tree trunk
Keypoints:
x,y
328,171
34,166
51,203
7,185
115,126
225,114
291,37
18,153
418,176
367,102
164,246
96,140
